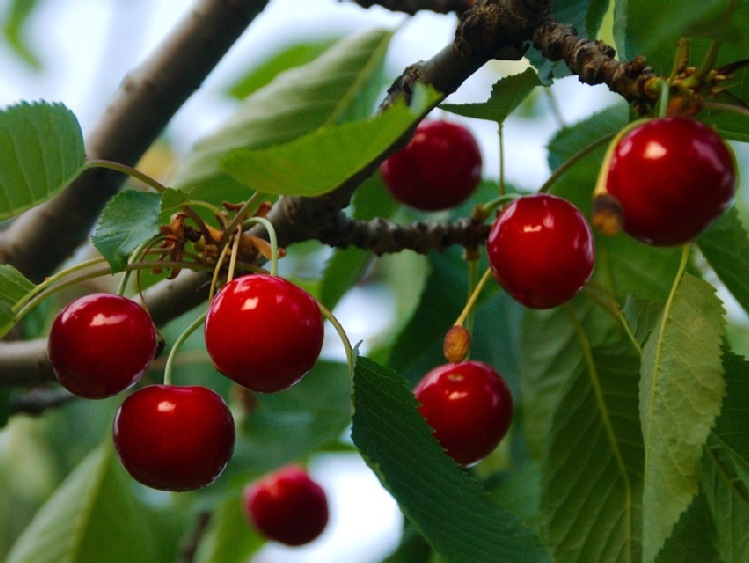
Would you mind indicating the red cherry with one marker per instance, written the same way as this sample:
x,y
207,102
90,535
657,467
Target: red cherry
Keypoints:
x,y
469,407
174,438
541,250
263,332
101,344
287,506
439,168
672,176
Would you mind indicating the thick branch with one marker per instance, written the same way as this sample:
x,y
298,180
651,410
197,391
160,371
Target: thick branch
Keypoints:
x,y
412,6
39,240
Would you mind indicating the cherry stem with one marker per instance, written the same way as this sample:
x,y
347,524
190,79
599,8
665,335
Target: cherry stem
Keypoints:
x,y
53,279
177,344
125,169
664,97
473,297
342,335
574,159
485,209
216,270
273,242
133,256
742,111
234,251
502,182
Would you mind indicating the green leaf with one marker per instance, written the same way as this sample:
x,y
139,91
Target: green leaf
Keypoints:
x,y
129,219
333,88
18,15
41,152
14,290
692,540
725,246
507,94
592,466
92,517
290,56
229,537
446,505
287,426
681,390
323,160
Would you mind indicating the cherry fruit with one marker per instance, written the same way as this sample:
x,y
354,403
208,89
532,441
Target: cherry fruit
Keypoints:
x,y
541,250
174,438
468,405
439,168
263,332
101,344
673,177
287,506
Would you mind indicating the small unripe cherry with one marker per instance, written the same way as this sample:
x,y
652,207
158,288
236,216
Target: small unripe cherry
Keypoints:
x,y
287,506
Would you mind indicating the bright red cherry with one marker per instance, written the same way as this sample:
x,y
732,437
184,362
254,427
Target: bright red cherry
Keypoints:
x,y
439,168
263,332
174,438
469,407
101,344
541,250
672,176
287,506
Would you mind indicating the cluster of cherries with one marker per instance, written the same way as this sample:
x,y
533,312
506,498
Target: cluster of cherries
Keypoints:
x,y
664,181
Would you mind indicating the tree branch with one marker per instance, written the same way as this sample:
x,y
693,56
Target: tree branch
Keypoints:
x,y
412,6
42,238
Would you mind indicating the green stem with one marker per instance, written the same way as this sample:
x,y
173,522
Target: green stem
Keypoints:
x,y
273,242
739,110
502,181
473,298
574,159
239,217
177,343
125,169
341,333
708,61
664,97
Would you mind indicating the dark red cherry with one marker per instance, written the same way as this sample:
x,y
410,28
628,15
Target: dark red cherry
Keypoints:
x,y
468,405
672,177
439,168
174,438
541,250
101,344
287,506
263,332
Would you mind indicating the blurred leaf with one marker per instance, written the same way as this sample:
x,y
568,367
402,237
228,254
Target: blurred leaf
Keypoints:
x,y
294,423
725,473
229,537
507,94
323,160
641,317
14,290
692,540
591,486
518,491
18,14
681,390
288,57
446,505
92,517
128,220
41,152
331,89
725,246
412,548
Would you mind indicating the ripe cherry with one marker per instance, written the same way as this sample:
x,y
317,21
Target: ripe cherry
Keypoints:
x,y
174,438
541,250
672,176
287,506
439,168
101,344
263,332
469,407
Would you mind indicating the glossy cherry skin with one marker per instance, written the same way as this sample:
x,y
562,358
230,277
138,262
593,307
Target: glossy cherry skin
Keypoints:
x,y
672,176
101,344
541,250
468,405
439,168
263,332
174,438
287,506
